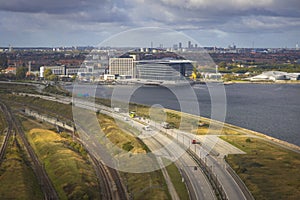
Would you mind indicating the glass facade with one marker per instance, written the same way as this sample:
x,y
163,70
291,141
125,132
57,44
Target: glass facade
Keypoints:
x,y
168,71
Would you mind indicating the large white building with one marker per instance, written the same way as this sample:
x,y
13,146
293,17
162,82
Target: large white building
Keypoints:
x,y
60,70
57,70
122,67
275,76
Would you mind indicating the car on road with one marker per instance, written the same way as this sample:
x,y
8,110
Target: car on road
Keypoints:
x,y
147,128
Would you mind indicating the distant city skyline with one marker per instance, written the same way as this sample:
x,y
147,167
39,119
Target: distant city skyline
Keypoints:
x,y
256,23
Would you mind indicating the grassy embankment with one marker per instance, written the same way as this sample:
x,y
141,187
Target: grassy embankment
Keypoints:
x,y
49,108
149,185
9,88
65,161
140,185
17,178
186,122
3,125
56,89
172,170
50,147
116,136
66,164
176,179
268,170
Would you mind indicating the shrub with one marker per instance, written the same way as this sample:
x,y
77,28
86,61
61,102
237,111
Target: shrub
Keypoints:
x,y
248,140
127,146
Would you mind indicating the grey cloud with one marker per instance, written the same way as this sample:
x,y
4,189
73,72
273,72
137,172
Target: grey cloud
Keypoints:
x,y
79,10
53,6
73,11
229,16
215,16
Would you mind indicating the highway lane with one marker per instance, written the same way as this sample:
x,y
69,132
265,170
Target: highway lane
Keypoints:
x,y
200,186
153,145
231,188
217,164
197,180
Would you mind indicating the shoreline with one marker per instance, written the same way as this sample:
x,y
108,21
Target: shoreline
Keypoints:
x,y
261,82
282,143
249,131
279,142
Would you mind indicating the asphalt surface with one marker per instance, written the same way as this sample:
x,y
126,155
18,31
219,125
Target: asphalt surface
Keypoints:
x,y
199,184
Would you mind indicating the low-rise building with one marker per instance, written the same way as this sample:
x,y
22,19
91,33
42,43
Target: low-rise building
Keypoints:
x,y
72,71
57,70
109,77
12,70
64,71
275,76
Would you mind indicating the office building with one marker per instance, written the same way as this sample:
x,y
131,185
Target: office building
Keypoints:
x,y
189,44
163,70
122,66
180,45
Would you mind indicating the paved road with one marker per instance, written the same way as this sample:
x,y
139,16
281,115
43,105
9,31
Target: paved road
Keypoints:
x,y
201,188
199,185
231,188
217,164
153,145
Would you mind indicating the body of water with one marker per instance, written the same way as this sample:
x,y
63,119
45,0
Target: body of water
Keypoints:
x,y
272,109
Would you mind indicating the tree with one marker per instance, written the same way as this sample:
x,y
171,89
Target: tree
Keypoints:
x,y
195,74
47,73
222,64
21,73
3,61
52,77
74,77
30,76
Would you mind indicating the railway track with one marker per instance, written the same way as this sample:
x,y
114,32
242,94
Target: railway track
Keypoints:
x,y
109,178
106,190
111,186
44,181
9,130
119,186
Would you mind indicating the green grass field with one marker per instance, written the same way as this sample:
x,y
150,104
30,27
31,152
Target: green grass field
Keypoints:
x,y
3,122
72,174
51,108
56,89
3,125
120,137
150,186
268,170
17,179
9,88
176,179
140,185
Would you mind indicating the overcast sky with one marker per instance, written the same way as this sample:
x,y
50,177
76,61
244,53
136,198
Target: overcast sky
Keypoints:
x,y
262,23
